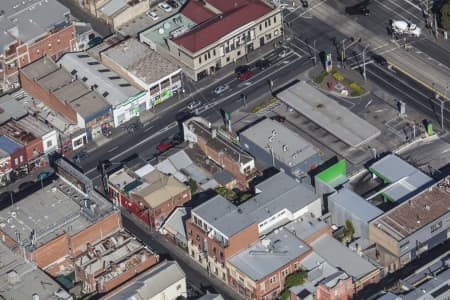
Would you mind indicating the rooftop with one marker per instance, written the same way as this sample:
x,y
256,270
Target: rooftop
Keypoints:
x,y
269,255
286,145
26,129
219,144
306,227
21,280
355,204
39,68
328,114
151,283
114,6
436,288
8,145
223,215
50,212
416,213
403,177
109,84
175,223
213,28
341,257
27,21
10,108
141,61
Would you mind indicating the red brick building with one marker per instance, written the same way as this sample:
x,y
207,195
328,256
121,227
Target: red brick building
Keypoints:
x,y
12,157
221,150
147,193
31,30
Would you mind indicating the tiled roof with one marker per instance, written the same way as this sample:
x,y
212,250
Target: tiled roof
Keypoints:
x,y
197,12
220,25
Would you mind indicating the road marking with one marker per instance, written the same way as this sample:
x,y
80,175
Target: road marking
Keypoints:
x,y
398,14
113,148
148,128
413,5
168,127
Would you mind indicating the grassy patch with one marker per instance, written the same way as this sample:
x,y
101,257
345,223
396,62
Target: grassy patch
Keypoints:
x,y
357,89
263,105
273,100
338,76
319,78
226,193
346,81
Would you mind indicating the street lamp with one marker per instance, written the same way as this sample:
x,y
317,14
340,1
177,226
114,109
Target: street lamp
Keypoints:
x,y
364,62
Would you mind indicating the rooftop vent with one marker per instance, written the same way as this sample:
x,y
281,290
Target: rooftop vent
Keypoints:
x,y
13,277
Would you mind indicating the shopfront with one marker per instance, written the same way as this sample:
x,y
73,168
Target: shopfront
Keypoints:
x,y
132,107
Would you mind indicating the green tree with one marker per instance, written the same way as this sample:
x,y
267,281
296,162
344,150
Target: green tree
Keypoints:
x,y
349,229
293,279
445,16
193,186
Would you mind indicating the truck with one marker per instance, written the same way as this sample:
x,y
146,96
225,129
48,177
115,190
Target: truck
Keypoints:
x,y
400,28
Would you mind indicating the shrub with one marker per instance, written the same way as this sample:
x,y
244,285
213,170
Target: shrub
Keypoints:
x,y
357,90
319,78
226,193
244,197
273,100
193,186
338,76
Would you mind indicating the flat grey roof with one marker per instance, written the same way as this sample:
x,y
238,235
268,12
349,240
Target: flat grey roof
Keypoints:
x,y
55,80
152,282
29,20
39,68
144,63
404,178
264,257
89,104
355,204
286,145
305,227
176,221
49,212
31,280
223,215
277,193
341,257
328,114
437,287
110,85
113,6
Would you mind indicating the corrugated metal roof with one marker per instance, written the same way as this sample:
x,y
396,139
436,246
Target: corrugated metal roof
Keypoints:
x,y
9,145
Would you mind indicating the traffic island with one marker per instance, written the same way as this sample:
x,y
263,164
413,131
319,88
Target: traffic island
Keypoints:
x,y
338,83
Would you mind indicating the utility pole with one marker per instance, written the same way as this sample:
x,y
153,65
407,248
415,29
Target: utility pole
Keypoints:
x,y
12,199
343,52
364,63
442,112
314,51
435,26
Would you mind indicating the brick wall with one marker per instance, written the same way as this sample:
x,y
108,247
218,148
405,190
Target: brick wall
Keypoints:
x,y
343,290
36,91
54,250
18,158
95,232
160,213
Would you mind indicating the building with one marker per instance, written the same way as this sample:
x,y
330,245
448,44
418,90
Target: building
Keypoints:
x,y
126,100
362,272
12,157
208,35
328,114
145,68
403,179
30,30
275,145
174,226
112,261
210,296
345,205
216,231
259,271
163,281
147,193
413,227
21,279
68,96
221,150
56,223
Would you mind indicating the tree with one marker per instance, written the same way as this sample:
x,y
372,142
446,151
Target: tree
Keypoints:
x,y
193,186
293,279
445,16
349,229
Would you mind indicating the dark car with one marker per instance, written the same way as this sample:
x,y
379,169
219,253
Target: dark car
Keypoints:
x,y
280,119
173,3
44,175
379,60
358,9
262,64
95,41
245,76
241,70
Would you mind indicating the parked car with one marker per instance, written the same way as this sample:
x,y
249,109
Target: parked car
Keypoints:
x,y
173,3
44,175
358,9
221,88
95,41
164,6
262,64
241,70
245,76
194,104
81,156
280,119
379,59
164,145
152,15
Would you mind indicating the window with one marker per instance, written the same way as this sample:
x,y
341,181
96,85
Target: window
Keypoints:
x,y
195,220
273,279
178,287
124,84
403,245
105,94
84,79
206,57
228,59
50,46
436,226
238,53
209,55
93,63
21,159
199,60
16,161
260,27
58,41
114,77
269,22
285,272
103,70
274,19
296,265
214,52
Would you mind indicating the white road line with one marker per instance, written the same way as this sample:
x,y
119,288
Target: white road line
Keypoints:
x,y
398,14
413,5
113,148
304,51
148,128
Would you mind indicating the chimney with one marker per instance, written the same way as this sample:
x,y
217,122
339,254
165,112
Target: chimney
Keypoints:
x,y
13,277
214,133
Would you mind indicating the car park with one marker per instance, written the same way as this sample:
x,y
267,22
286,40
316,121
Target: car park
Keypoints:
x,y
262,64
194,104
241,70
152,15
221,88
245,76
164,6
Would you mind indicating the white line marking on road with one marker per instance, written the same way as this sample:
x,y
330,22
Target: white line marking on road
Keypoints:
x,y
148,128
398,14
113,148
